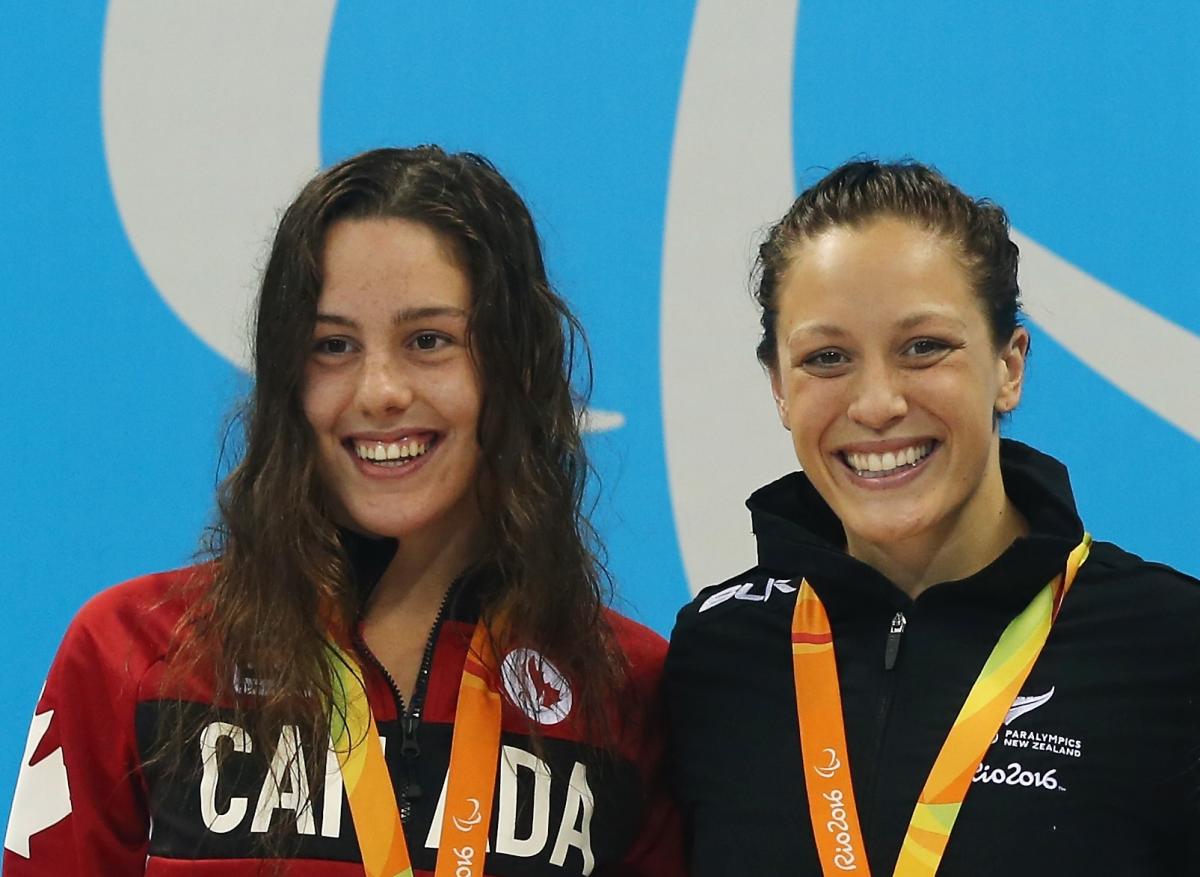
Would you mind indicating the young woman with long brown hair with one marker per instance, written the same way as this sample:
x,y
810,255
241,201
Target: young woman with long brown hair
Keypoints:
x,y
399,657
894,689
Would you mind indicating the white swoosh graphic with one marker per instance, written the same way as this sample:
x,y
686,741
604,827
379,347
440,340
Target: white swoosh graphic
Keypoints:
x,y
731,176
211,117
1138,350
596,420
474,819
830,769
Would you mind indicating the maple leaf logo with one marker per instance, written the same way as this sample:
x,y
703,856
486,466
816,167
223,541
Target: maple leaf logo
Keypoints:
x,y
547,695
536,686
42,798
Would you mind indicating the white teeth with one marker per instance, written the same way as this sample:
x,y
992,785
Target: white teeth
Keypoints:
x,y
389,452
888,461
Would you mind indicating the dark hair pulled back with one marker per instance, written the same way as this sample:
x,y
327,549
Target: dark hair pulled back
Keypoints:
x,y
863,190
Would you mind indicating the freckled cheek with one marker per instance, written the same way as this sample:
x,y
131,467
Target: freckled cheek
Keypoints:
x,y
458,396
323,401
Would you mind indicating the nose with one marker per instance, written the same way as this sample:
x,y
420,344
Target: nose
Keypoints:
x,y
385,386
878,399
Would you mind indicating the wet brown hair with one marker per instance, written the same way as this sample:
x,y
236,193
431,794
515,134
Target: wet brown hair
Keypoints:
x,y
281,565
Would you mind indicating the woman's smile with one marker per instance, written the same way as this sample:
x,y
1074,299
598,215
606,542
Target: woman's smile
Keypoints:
x,y
887,466
378,456
889,380
392,392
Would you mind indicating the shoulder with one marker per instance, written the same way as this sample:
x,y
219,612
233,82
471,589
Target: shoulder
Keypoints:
x,y
744,618
146,600
1149,602
740,599
643,648
1130,577
131,624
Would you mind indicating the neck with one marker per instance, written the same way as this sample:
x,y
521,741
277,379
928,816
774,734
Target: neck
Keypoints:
x,y
403,608
964,545
421,571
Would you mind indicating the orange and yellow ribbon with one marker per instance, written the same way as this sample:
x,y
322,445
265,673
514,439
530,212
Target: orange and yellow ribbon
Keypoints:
x,y
474,754
832,807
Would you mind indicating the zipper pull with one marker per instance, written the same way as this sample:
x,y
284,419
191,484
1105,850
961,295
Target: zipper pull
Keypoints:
x,y
408,736
409,750
895,632
412,791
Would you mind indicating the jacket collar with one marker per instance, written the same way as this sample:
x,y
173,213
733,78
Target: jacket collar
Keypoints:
x,y
798,534
369,556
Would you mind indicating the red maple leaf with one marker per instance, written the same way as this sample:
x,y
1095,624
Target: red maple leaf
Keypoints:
x,y
547,694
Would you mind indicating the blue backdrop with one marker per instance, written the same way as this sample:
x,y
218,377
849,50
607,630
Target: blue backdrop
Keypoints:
x,y
633,133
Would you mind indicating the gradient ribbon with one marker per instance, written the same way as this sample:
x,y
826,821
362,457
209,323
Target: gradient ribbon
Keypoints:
x,y
831,802
474,754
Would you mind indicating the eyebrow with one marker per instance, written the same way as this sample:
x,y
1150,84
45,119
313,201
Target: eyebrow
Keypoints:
x,y
406,315
817,329
915,319
911,321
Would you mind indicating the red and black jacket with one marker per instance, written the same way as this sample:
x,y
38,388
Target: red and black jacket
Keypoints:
x,y
92,801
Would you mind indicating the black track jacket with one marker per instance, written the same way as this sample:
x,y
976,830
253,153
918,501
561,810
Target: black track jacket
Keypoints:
x,y
1094,771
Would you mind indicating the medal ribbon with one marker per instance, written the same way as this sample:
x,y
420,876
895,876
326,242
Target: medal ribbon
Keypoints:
x,y
831,803
474,753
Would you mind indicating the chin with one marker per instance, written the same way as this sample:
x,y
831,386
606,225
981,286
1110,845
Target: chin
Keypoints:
x,y
399,530
379,523
892,530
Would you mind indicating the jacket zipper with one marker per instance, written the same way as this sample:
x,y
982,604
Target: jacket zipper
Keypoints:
x,y
891,652
410,719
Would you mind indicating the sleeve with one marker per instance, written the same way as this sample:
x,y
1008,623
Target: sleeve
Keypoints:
x,y
1191,796
680,711
80,805
658,850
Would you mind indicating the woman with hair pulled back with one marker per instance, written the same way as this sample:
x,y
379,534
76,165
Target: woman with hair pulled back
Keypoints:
x,y
933,669
399,659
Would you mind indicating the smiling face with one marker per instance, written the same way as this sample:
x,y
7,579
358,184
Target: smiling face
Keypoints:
x,y
391,390
888,377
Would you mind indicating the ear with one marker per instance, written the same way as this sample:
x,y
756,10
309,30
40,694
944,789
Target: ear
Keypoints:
x,y
781,405
1011,370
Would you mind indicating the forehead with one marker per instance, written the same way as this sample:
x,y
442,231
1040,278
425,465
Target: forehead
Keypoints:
x,y
883,269
384,258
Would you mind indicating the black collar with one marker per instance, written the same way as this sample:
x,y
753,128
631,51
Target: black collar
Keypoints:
x,y
798,534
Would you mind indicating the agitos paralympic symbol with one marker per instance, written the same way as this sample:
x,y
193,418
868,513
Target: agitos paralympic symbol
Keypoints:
x,y
835,764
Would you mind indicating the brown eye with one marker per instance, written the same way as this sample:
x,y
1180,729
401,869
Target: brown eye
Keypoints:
x,y
825,360
429,341
926,346
333,346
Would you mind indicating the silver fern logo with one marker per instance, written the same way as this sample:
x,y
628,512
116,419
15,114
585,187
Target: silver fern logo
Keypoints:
x,y
1023,705
1034,740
